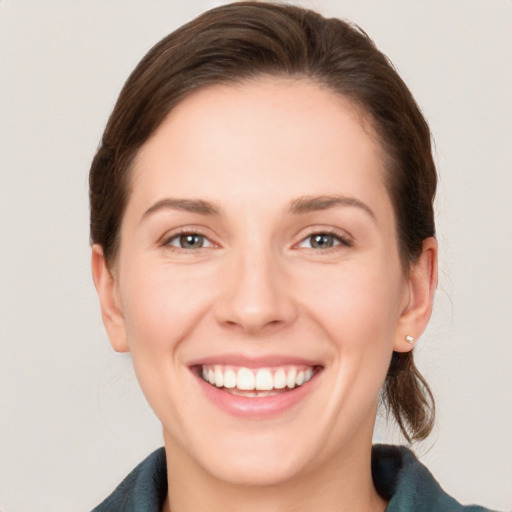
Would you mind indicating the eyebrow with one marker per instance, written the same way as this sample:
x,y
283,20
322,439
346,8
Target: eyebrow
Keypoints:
x,y
187,205
307,204
303,204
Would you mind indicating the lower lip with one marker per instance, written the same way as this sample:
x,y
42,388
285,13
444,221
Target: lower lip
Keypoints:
x,y
257,407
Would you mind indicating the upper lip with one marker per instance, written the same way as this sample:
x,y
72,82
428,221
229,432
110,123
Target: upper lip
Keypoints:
x,y
245,361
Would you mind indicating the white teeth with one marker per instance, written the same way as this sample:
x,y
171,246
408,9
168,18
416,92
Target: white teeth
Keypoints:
x,y
230,379
219,377
290,378
259,381
245,379
280,379
264,380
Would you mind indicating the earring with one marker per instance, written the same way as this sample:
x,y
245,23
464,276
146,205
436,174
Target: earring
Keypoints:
x,y
409,339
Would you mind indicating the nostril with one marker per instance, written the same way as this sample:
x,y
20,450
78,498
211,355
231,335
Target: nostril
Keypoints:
x,y
254,326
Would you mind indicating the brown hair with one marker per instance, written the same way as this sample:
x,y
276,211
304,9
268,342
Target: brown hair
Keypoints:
x,y
243,40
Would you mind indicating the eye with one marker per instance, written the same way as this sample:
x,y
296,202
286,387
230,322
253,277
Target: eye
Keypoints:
x,y
323,241
189,241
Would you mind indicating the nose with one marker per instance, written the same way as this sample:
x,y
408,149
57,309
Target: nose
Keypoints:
x,y
255,294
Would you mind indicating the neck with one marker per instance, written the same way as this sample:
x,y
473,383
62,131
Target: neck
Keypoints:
x,y
345,486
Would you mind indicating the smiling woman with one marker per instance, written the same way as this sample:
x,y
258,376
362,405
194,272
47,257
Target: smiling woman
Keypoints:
x,y
263,246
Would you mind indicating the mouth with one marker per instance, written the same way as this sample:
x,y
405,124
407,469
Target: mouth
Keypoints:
x,y
256,382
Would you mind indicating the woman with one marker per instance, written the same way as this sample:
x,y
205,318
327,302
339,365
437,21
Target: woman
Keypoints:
x,y
263,246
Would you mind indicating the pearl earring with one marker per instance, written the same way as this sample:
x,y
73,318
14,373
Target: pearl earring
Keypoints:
x,y
409,339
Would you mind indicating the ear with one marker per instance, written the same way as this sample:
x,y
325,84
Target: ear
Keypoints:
x,y
111,311
422,282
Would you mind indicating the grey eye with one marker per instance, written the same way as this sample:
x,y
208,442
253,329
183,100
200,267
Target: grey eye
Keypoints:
x,y
321,241
189,241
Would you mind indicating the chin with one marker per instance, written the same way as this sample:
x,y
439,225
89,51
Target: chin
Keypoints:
x,y
257,469
263,457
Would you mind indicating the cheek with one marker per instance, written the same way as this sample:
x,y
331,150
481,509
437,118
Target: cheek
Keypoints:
x,y
161,304
357,304
161,308
358,310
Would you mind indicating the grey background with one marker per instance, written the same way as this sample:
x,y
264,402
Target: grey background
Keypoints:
x,y
72,419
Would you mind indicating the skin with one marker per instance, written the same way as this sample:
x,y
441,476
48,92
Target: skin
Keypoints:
x,y
257,287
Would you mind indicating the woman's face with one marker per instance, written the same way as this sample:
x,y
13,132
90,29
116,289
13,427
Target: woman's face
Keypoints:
x,y
259,249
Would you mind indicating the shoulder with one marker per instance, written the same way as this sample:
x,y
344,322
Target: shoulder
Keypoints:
x,y
143,490
408,485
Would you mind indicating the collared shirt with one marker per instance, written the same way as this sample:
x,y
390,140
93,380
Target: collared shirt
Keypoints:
x,y
397,474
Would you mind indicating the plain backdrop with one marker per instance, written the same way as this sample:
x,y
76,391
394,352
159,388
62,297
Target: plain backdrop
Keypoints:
x,y
73,421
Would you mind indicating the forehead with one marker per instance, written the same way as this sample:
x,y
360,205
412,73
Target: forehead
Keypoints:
x,y
267,136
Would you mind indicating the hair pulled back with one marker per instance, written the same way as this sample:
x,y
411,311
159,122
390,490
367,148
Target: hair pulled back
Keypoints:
x,y
244,40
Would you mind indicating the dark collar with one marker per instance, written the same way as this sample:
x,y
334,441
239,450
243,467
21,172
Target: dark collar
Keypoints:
x,y
398,476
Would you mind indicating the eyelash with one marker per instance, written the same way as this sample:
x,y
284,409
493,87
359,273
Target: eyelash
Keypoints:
x,y
166,242
339,240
